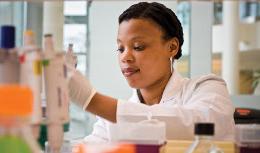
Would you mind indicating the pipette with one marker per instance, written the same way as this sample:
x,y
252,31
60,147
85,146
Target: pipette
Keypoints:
x,y
56,89
31,75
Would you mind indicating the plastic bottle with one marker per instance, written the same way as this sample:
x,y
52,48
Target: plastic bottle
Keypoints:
x,y
15,110
56,90
9,61
203,142
31,76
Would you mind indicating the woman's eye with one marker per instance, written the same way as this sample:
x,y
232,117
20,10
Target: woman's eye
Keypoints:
x,y
139,48
121,50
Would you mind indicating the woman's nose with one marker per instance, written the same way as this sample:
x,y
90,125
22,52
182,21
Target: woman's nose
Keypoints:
x,y
127,56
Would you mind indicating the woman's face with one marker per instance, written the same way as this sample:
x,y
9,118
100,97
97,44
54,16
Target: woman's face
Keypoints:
x,y
144,56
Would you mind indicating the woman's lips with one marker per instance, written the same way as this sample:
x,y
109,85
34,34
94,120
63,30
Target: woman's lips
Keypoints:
x,y
127,72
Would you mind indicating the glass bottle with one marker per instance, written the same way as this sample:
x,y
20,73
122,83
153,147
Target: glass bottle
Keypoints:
x,y
203,142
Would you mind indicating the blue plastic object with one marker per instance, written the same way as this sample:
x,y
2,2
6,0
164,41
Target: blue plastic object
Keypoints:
x,y
7,38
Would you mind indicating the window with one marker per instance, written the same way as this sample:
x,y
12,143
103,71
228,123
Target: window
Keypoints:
x,y
248,48
75,8
183,13
76,31
249,11
218,15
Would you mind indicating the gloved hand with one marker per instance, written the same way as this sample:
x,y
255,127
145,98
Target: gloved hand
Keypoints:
x,y
80,90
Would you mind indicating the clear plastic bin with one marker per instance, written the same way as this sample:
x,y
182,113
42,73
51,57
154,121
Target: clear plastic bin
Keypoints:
x,y
248,135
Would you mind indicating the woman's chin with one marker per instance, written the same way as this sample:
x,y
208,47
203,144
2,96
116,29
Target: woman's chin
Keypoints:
x,y
133,84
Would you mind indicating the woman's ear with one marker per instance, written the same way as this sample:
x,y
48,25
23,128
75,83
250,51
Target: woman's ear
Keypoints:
x,y
173,46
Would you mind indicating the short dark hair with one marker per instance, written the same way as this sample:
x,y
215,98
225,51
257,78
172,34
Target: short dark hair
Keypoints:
x,y
161,15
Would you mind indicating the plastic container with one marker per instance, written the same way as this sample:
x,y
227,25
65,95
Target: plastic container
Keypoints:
x,y
15,110
147,135
248,138
248,134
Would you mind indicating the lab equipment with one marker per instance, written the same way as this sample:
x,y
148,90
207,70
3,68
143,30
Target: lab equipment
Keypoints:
x,y
15,110
56,90
203,142
9,61
31,75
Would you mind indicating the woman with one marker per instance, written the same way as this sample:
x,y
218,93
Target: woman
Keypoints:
x,y
149,39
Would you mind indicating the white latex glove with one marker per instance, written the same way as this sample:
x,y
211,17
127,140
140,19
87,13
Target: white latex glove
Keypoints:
x,y
80,90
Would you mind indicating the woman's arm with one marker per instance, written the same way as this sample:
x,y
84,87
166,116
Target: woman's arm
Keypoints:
x,y
103,106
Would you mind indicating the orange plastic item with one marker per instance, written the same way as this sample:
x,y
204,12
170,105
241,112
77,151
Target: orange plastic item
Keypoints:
x,y
126,148
123,148
118,148
15,100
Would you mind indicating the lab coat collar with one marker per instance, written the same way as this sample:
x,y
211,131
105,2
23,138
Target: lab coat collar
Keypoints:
x,y
173,86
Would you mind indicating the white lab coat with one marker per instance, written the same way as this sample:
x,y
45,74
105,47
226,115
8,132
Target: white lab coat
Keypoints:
x,y
183,103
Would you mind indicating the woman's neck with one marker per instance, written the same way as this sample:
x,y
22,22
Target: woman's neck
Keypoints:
x,y
153,94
